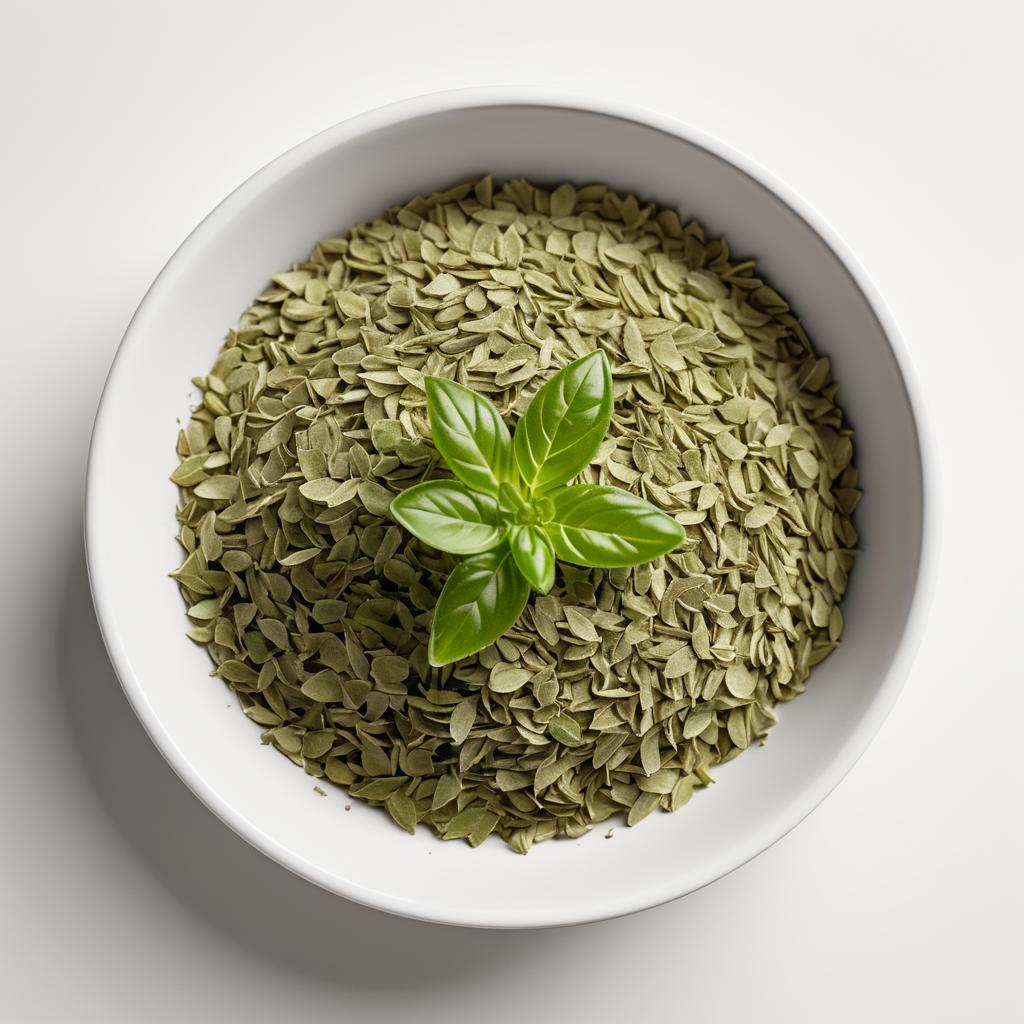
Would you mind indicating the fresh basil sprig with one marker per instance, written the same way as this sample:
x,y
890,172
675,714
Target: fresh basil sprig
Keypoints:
x,y
511,510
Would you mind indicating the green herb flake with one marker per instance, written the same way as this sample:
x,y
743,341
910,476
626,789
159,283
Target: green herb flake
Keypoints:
x,y
561,442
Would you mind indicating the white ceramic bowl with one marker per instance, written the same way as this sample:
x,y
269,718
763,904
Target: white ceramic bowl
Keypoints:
x,y
346,175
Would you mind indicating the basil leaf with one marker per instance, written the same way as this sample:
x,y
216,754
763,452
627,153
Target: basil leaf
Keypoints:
x,y
470,435
481,599
609,528
534,557
510,501
565,423
449,516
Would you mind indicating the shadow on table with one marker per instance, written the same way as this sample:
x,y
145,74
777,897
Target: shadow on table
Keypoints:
x,y
236,890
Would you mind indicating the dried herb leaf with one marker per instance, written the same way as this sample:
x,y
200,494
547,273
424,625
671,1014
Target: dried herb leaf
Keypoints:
x,y
620,690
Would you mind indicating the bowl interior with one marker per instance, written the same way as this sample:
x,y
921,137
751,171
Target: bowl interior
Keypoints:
x,y
345,176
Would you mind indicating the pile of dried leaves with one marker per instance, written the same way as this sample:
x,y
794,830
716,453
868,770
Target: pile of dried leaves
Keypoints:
x,y
617,692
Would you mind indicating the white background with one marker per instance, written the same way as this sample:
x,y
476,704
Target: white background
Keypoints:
x,y
122,899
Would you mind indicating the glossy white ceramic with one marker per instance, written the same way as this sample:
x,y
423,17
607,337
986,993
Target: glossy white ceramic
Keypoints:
x,y
345,175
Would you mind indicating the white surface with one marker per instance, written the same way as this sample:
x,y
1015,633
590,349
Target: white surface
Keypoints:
x,y
900,898
341,177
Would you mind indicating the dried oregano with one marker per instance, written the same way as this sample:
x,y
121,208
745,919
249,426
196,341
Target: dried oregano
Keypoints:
x,y
619,690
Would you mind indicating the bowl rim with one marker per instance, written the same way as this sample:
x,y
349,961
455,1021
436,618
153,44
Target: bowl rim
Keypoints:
x,y
607,906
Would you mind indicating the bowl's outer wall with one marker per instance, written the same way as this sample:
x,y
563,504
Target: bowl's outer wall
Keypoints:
x,y
349,174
